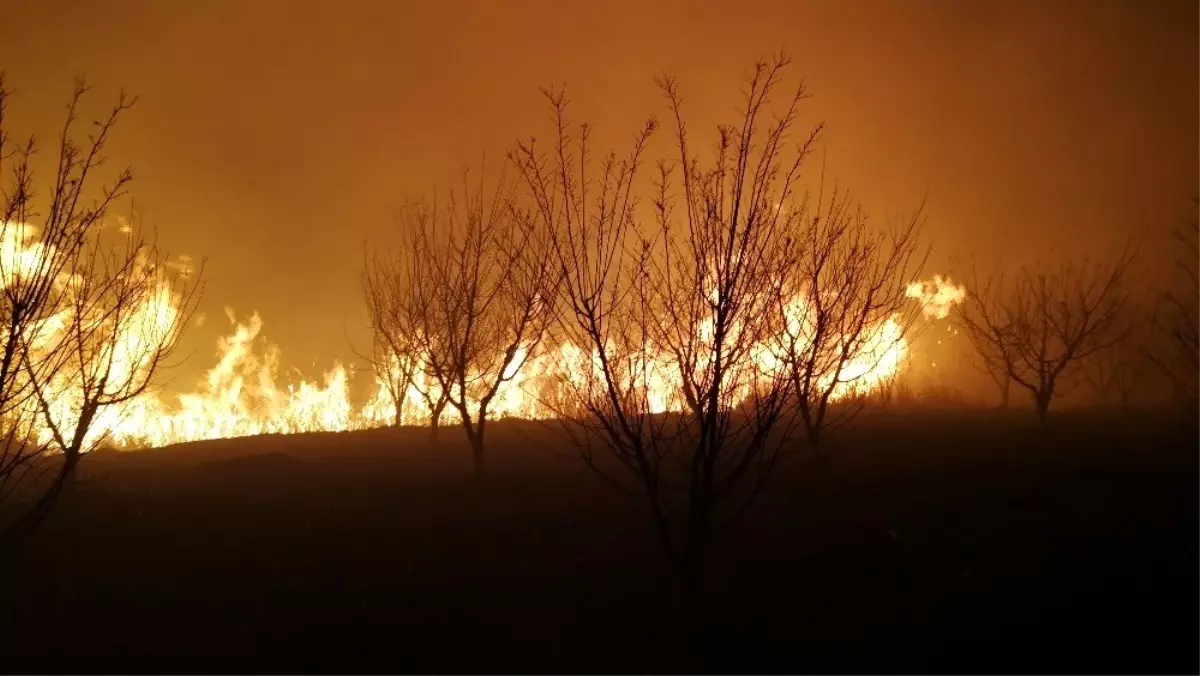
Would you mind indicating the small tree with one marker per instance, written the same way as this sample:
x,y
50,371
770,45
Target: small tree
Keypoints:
x,y
482,296
845,311
1048,320
395,352
89,318
674,319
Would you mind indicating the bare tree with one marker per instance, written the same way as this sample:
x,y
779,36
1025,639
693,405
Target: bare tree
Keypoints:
x,y
845,311
394,356
1048,320
482,288
436,397
87,323
125,310
398,355
1178,321
394,370
673,313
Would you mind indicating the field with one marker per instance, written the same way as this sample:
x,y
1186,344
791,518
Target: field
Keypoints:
x,y
942,541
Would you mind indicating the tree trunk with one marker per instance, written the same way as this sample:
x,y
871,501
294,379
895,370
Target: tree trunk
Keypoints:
x,y
435,420
1042,401
477,455
1004,390
30,520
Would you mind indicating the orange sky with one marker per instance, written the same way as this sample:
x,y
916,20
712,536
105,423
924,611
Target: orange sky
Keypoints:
x,y
276,137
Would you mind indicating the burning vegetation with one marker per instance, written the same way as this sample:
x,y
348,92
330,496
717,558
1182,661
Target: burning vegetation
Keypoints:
x,y
668,372
679,317
559,293
677,346
477,313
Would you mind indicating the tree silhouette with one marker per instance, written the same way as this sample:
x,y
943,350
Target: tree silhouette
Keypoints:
x,y
844,309
1047,320
396,356
90,316
482,296
667,316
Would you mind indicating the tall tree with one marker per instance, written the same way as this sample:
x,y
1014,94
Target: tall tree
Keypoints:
x,y
667,317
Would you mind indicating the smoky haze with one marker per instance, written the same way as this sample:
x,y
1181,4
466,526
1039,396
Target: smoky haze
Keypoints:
x,y
275,138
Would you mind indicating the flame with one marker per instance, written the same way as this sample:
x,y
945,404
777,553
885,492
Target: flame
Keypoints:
x,y
244,392
241,396
937,296
120,344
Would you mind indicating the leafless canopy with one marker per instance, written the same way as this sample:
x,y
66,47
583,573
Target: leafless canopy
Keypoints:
x,y
670,313
90,316
481,292
395,351
1044,322
844,309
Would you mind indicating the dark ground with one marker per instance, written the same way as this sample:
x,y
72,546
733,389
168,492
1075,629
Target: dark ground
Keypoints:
x,y
965,542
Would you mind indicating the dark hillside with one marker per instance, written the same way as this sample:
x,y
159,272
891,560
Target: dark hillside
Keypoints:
x,y
935,541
